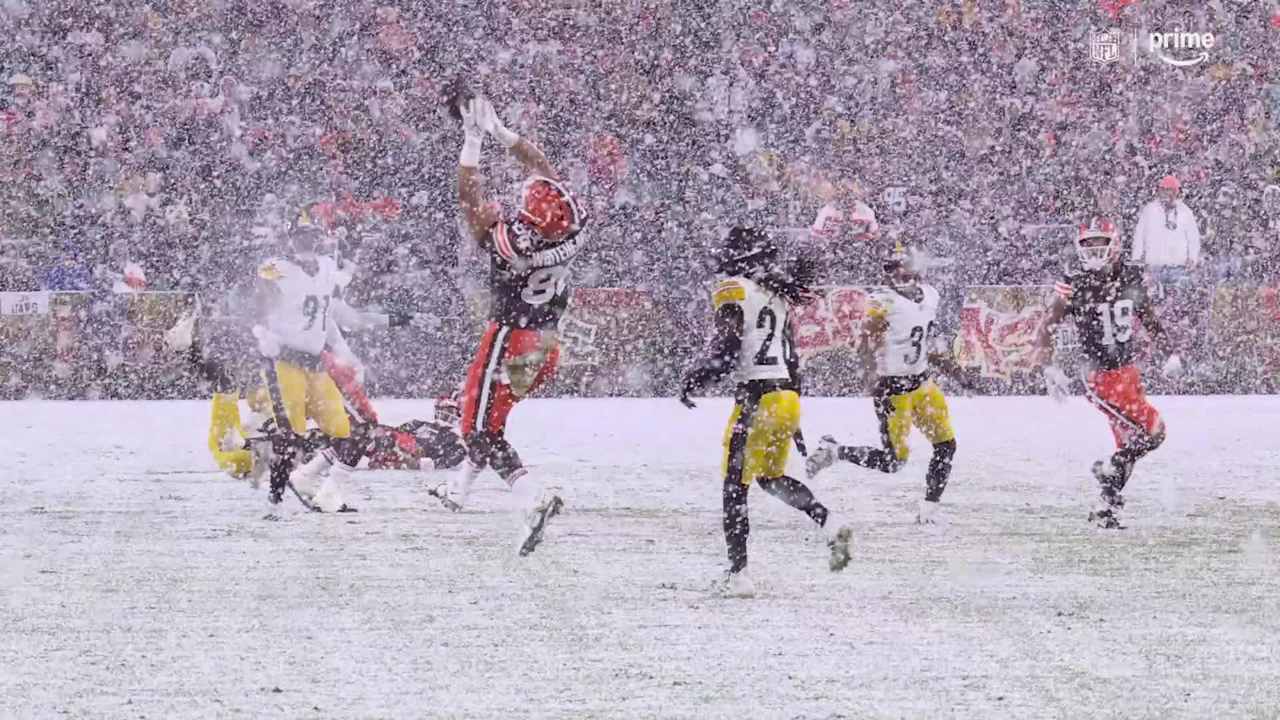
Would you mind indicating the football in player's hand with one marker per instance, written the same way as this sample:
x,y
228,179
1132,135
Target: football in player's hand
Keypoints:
x,y
454,95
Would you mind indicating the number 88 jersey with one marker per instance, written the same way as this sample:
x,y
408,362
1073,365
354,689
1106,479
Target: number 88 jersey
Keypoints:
x,y
1106,306
532,298
766,337
910,323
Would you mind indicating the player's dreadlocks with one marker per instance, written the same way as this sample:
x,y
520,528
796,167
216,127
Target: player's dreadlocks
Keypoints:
x,y
752,253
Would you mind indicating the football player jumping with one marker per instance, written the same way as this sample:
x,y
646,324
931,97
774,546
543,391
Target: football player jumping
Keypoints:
x,y
1108,300
899,328
529,256
753,341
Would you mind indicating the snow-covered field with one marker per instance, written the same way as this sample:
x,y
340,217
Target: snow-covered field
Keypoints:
x,y
136,582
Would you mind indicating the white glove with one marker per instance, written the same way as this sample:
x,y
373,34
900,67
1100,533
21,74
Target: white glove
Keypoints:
x,y
268,342
488,120
178,338
1172,369
473,136
1057,382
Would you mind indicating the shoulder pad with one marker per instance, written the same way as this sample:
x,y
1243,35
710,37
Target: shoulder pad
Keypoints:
x,y
878,303
728,291
271,269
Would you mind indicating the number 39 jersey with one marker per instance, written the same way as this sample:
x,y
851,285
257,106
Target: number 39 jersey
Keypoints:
x,y
300,315
910,323
1106,306
532,298
766,336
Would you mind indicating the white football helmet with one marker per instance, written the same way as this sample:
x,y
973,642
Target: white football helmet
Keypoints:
x,y
1094,255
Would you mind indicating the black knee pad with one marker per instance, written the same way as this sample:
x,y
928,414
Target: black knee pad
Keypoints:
x,y
944,451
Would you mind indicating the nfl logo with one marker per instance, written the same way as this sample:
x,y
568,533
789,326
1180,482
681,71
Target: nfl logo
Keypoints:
x,y
1105,46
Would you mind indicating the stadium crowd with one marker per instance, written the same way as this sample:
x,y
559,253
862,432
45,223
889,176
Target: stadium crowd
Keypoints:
x,y
174,137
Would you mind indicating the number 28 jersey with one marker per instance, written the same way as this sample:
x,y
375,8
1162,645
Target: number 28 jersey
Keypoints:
x,y
766,335
533,298
1105,306
910,323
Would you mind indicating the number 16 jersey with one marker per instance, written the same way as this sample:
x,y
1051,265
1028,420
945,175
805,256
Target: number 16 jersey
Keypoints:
x,y
1106,306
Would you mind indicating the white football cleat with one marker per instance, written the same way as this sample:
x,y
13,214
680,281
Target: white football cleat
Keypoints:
x,y
927,513
307,478
823,457
454,495
330,497
736,585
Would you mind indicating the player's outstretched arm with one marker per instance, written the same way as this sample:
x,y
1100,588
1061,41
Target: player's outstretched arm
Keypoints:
x,y
723,358
476,212
1044,333
526,152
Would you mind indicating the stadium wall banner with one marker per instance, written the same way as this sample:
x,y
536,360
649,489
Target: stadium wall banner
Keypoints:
x,y
63,344
605,343
833,321
998,327
24,303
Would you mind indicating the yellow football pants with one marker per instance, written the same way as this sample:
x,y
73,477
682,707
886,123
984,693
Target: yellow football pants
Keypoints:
x,y
305,394
925,407
758,439
224,418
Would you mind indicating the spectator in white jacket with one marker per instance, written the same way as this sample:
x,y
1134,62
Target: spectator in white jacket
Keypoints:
x,y
1167,239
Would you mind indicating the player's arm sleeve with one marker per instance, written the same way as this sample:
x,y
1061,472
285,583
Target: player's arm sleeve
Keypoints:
x,y
792,358
873,328
476,211
1053,317
357,320
337,344
725,346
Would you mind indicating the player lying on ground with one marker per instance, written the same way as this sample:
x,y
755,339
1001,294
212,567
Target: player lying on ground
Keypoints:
x,y
529,286
1104,299
753,341
898,338
242,449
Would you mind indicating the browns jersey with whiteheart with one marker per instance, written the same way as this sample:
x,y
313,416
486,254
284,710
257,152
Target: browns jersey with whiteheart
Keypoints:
x,y
528,256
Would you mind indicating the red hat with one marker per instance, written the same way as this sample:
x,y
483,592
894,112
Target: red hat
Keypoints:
x,y
1170,182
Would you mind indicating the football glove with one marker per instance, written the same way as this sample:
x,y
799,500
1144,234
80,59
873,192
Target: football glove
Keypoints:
x,y
487,119
1057,382
472,135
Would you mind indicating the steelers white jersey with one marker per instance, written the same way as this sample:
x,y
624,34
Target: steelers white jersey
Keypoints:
x,y
300,317
905,350
766,343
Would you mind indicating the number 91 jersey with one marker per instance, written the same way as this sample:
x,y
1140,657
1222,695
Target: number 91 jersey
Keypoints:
x,y
305,289
909,327
766,336
1105,306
